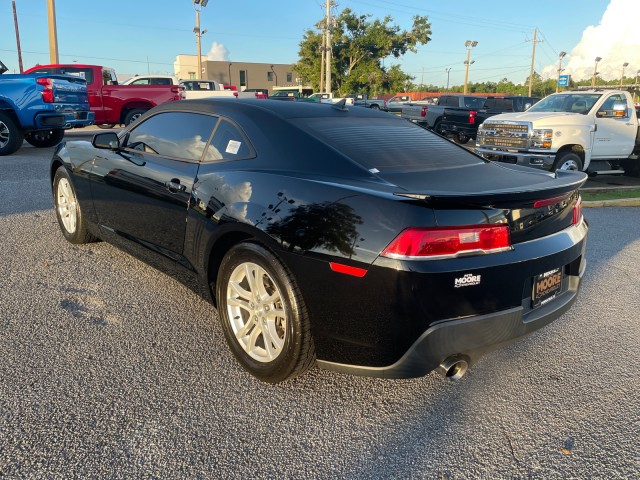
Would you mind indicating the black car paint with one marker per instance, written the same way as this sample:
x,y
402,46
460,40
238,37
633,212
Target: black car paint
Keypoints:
x,y
295,182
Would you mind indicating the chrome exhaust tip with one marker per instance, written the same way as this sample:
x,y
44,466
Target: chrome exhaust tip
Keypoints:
x,y
453,368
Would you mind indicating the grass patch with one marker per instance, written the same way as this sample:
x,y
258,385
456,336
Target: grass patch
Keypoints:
x,y
611,195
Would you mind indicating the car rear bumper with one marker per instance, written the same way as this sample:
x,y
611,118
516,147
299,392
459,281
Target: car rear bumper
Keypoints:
x,y
469,338
536,160
75,119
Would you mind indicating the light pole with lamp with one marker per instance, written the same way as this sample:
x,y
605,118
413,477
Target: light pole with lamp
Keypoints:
x,y
276,75
447,70
595,72
469,44
198,5
560,69
624,65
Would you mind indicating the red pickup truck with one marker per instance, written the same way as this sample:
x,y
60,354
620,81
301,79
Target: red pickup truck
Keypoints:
x,y
111,103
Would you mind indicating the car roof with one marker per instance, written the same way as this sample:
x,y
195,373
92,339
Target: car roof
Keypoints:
x,y
284,110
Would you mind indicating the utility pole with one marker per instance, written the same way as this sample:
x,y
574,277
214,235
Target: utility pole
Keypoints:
x,y
198,5
560,69
533,58
15,22
328,47
447,70
53,32
322,58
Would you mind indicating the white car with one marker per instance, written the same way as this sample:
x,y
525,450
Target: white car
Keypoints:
x,y
152,80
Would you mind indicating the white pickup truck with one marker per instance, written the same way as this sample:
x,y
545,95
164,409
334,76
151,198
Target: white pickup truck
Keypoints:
x,y
595,131
210,88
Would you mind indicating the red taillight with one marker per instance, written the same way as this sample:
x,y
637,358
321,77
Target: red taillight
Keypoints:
x,y
449,242
472,116
47,93
179,93
423,112
577,212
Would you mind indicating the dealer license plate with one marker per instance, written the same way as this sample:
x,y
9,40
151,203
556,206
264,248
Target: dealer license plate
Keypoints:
x,y
546,287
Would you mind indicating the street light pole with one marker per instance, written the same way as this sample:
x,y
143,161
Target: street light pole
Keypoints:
x,y
624,65
595,72
560,69
447,70
198,5
230,73
469,44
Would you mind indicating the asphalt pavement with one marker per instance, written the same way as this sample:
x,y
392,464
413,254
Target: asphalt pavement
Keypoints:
x,y
110,369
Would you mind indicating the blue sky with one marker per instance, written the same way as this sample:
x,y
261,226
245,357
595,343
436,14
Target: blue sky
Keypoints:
x,y
140,37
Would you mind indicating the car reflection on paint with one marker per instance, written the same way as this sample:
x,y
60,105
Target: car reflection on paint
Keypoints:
x,y
321,243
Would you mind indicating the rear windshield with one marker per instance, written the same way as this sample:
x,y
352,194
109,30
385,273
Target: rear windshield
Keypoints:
x,y
388,145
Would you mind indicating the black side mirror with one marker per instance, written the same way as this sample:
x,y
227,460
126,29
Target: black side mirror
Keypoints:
x,y
107,140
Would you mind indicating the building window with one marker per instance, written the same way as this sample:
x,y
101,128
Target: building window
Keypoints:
x,y
192,75
289,77
269,76
243,78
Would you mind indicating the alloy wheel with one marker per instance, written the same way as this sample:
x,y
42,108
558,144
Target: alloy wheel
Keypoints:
x,y
4,134
67,205
256,312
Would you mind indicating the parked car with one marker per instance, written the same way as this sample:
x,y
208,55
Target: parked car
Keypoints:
x,y
114,104
152,80
360,255
595,131
39,108
395,104
362,100
462,123
430,115
210,88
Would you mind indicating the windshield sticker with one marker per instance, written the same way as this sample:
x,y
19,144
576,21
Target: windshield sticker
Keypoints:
x,y
233,147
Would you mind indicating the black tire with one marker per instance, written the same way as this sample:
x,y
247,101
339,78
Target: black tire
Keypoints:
x,y
631,167
438,128
375,106
11,136
133,115
460,138
68,211
568,161
106,125
290,350
45,138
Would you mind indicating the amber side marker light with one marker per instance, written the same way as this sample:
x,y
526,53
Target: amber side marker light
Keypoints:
x,y
449,242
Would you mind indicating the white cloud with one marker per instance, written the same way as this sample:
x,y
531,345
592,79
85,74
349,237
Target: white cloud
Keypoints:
x,y
218,52
616,39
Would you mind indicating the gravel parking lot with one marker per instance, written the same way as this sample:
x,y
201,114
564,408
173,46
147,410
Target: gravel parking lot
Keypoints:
x,y
110,369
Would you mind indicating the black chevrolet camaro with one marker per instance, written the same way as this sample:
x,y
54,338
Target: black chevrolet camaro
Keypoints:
x,y
347,238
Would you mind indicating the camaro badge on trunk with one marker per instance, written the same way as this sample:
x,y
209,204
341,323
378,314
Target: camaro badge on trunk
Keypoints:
x,y
467,280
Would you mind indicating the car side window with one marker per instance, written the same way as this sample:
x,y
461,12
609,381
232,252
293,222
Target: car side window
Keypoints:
x,y
182,135
228,143
142,81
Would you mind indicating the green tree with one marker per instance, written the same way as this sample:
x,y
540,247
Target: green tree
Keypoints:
x,y
359,46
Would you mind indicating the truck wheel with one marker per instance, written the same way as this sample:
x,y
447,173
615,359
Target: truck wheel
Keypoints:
x,y
568,161
133,115
631,167
44,138
438,129
461,138
375,106
106,125
10,135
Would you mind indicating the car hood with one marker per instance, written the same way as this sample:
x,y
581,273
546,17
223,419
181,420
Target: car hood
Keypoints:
x,y
538,117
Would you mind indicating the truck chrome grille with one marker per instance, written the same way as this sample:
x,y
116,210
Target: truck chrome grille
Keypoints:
x,y
504,135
